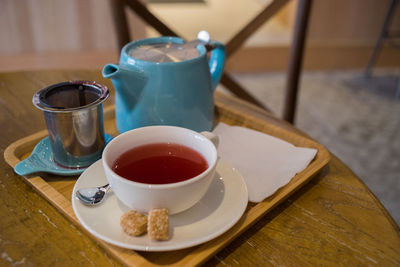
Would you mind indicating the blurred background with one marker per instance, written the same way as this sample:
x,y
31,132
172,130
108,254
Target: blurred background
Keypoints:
x,y
341,33
355,116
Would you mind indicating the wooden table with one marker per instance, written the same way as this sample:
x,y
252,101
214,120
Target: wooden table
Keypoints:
x,y
333,220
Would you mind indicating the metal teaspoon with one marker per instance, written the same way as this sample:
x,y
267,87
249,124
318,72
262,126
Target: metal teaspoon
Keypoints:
x,y
92,195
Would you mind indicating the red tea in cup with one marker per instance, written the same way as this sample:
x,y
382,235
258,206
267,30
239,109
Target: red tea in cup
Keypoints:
x,y
160,163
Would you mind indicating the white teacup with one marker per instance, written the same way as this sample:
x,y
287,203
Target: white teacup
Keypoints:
x,y
176,197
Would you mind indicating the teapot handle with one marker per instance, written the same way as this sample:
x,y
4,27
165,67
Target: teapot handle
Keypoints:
x,y
216,62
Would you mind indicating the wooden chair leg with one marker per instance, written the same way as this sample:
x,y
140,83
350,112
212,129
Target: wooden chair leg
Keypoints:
x,y
237,41
142,11
120,23
383,34
295,59
238,91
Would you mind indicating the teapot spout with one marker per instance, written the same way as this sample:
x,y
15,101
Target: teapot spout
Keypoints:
x,y
131,76
110,71
128,82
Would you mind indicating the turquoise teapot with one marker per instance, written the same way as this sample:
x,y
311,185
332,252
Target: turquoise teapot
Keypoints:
x,y
165,81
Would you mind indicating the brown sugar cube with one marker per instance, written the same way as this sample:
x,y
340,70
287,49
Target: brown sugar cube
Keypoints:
x,y
134,223
158,224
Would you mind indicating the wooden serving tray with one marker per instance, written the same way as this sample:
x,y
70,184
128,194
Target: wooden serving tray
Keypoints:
x,y
58,189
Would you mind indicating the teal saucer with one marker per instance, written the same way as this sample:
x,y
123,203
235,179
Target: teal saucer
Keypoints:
x,y
41,160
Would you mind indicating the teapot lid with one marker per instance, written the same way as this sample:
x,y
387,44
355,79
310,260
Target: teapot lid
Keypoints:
x,y
169,50
164,52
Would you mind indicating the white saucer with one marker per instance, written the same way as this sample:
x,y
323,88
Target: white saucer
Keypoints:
x,y
221,207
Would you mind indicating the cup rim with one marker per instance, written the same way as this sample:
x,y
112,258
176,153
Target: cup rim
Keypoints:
x,y
200,176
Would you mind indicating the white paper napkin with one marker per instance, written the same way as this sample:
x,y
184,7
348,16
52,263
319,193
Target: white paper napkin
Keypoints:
x,y
266,162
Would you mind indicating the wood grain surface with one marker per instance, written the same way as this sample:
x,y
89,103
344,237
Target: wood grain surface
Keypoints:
x,y
333,220
57,189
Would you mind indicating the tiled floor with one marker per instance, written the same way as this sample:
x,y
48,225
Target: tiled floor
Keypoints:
x,y
357,119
